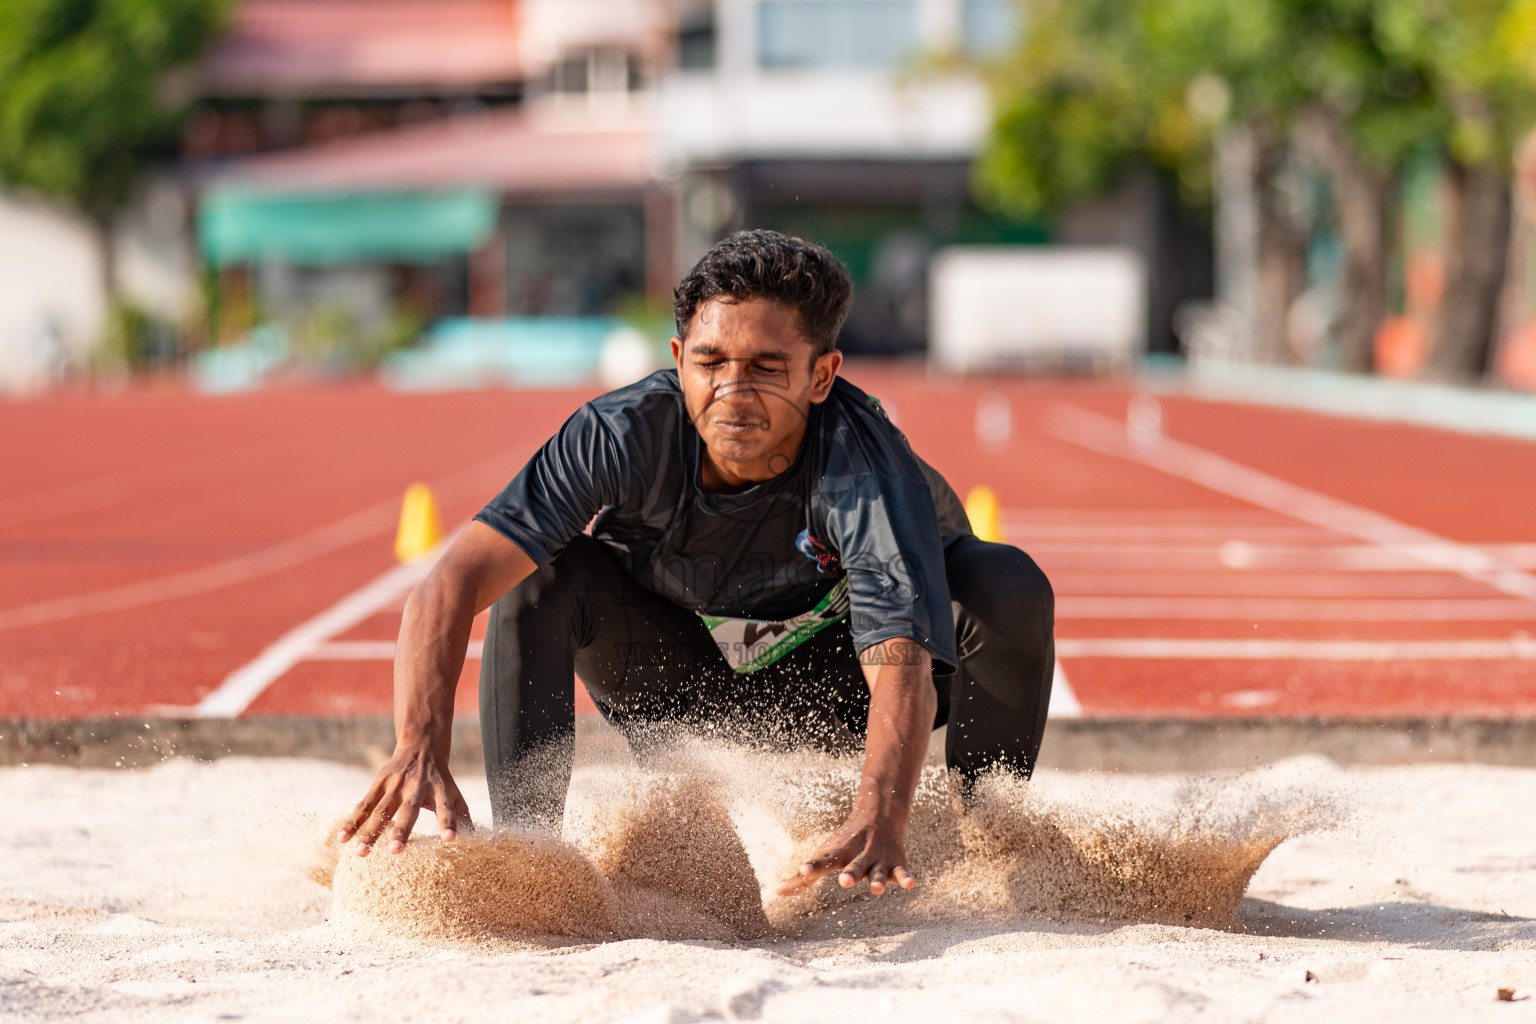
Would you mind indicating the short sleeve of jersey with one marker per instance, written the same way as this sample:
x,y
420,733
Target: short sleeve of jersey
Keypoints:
x,y
886,532
567,482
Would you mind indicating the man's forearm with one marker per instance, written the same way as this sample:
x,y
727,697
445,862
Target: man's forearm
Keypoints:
x,y
477,569
902,704
429,657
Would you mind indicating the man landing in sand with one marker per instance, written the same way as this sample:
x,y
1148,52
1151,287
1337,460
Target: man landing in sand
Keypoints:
x,y
769,557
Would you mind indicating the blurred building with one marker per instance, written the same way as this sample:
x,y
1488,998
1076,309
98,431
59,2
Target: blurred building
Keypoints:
x,y
614,140
850,122
482,157
350,159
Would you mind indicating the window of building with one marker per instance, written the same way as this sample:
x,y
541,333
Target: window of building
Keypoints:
x,y
988,27
696,41
595,72
835,33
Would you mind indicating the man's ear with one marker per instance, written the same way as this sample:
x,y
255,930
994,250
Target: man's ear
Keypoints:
x,y
823,373
677,352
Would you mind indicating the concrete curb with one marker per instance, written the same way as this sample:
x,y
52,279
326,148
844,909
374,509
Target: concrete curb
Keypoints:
x,y
1103,744
1165,744
137,742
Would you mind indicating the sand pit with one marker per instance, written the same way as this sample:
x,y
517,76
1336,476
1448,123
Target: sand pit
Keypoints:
x,y
181,893
663,854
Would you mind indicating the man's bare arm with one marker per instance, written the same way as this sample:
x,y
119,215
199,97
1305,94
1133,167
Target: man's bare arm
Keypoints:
x,y
872,842
476,570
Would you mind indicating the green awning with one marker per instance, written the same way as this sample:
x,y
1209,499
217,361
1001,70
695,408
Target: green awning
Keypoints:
x,y
310,229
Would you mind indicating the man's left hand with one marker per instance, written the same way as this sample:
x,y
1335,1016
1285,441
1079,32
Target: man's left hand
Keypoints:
x,y
860,849
872,842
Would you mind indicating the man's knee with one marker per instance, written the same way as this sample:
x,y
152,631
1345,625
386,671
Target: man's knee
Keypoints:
x,y
578,569
998,583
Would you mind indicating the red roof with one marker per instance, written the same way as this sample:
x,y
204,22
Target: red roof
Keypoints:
x,y
505,151
341,46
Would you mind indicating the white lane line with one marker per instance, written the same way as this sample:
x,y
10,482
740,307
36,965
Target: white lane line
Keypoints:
x,y
1106,583
354,650
1222,475
1215,532
1063,701
1224,515
341,534
248,682
1144,548
1515,648
371,650
1282,609
1236,555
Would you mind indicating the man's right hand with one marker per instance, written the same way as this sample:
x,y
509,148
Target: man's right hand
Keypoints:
x,y
477,569
415,777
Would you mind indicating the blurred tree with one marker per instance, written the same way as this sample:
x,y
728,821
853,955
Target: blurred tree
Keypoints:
x,y
90,90
1356,86
1359,107
1482,59
1083,97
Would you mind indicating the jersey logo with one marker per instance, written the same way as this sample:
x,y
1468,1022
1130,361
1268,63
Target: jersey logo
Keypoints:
x,y
825,558
756,631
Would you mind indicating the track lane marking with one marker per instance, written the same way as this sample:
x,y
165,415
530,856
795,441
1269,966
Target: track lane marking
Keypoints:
x,y
1224,476
371,650
342,533
1064,702
1155,531
1300,609
1515,648
1315,586
1315,557
242,686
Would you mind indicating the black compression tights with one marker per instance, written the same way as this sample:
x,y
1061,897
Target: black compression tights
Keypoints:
x,y
646,662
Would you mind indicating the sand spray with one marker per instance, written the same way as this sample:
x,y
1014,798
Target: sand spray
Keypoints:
x,y
689,846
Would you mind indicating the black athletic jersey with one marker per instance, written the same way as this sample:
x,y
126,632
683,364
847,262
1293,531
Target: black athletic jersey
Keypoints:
x,y
856,503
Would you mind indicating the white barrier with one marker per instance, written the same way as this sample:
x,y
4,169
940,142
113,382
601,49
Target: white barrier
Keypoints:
x,y
993,307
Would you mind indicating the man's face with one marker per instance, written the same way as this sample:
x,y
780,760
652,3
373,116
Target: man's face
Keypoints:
x,y
749,377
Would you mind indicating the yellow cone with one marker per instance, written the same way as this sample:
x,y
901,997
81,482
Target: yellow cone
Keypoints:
x,y
982,510
420,526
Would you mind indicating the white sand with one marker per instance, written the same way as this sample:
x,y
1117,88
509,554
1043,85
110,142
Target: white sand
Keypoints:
x,y
180,893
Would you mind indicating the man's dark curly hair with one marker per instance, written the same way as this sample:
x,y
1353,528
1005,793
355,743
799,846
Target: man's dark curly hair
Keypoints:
x,y
769,265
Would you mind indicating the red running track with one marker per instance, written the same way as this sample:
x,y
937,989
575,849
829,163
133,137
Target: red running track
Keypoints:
x,y
1230,560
